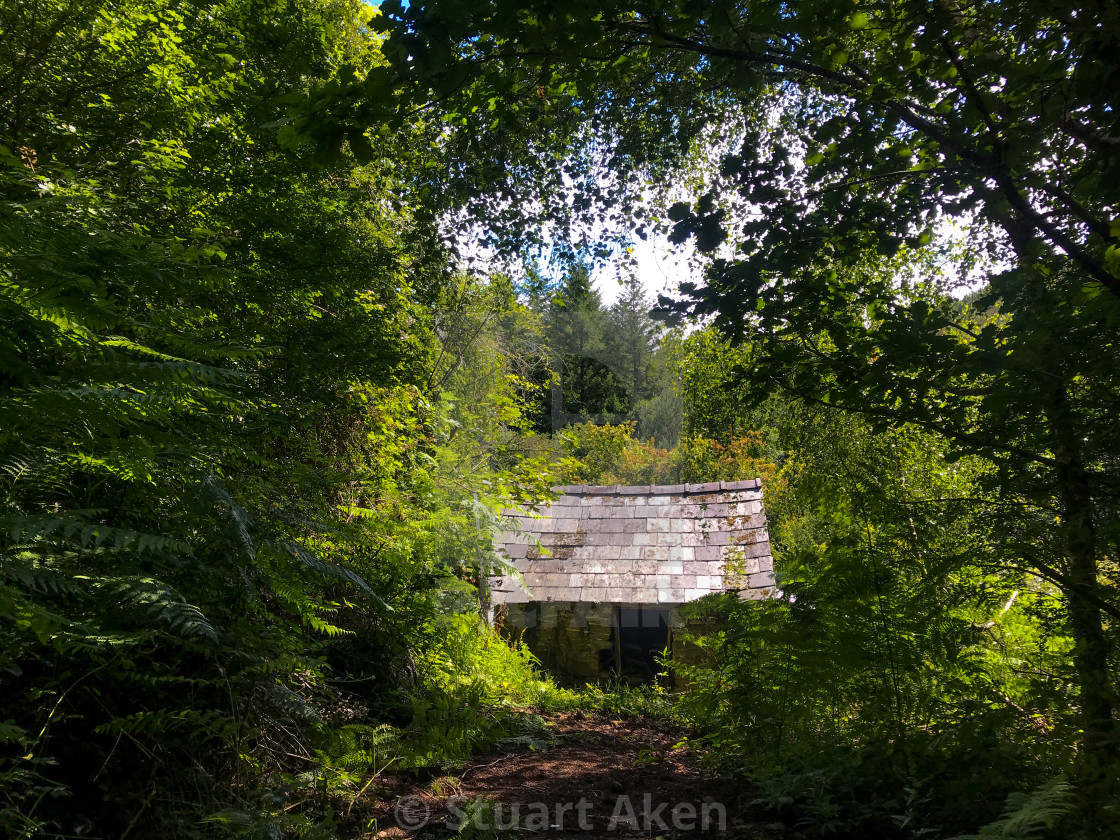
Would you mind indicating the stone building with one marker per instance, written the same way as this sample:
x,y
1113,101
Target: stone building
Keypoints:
x,y
602,571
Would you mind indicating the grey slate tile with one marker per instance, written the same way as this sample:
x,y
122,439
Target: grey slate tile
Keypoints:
x,y
756,594
603,552
709,487
706,552
745,566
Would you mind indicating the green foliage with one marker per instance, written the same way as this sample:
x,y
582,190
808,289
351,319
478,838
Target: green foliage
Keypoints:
x,y
590,363
256,429
238,486
660,417
713,380
906,680
621,700
479,820
597,448
608,454
817,154
352,756
1031,814
471,656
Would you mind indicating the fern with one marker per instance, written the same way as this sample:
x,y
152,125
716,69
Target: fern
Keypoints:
x,y
26,570
1030,815
291,704
362,747
75,527
162,722
191,403
329,570
237,516
160,603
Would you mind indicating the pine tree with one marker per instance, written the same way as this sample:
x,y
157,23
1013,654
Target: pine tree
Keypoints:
x,y
590,386
633,340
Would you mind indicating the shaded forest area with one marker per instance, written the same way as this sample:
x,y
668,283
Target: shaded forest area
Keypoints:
x,y
259,415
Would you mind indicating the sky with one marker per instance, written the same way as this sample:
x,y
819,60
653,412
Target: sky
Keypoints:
x,y
658,264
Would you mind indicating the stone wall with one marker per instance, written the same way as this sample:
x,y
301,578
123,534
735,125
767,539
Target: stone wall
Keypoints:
x,y
565,637
573,640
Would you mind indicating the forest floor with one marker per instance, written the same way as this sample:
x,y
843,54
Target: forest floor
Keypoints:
x,y
586,775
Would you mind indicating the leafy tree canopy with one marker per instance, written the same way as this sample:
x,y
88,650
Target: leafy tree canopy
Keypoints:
x,y
843,137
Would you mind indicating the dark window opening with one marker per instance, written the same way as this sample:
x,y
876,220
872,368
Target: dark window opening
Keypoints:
x,y
638,638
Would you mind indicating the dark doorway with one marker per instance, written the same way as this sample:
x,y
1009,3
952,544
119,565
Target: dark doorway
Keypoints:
x,y
639,635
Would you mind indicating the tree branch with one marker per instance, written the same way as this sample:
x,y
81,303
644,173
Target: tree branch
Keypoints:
x,y
984,166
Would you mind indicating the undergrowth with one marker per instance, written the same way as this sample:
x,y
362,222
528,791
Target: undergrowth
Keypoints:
x,y
618,699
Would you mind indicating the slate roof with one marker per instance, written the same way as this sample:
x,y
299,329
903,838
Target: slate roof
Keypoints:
x,y
656,544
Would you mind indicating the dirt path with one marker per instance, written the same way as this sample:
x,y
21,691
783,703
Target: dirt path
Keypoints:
x,y
593,777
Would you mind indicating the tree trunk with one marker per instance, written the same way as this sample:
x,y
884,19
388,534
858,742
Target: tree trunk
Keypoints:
x,y
1091,654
